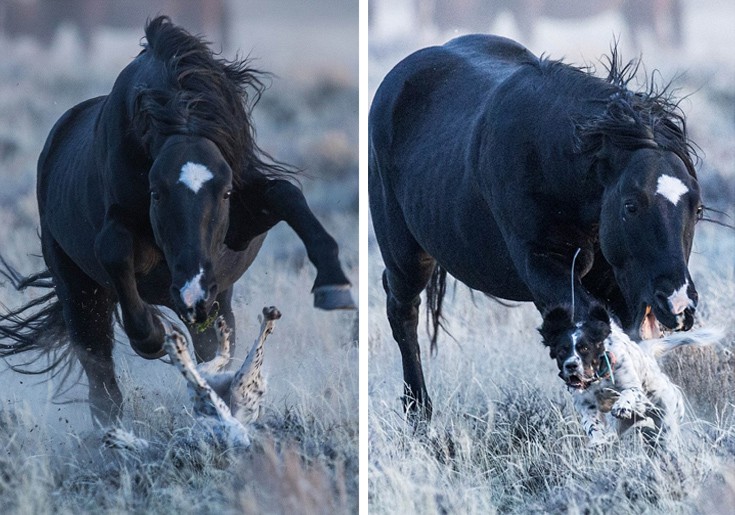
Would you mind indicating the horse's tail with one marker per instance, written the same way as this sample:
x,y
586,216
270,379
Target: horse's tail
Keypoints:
x,y
37,327
435,291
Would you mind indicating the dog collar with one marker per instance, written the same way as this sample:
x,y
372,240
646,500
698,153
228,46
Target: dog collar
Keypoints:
x,y
607,366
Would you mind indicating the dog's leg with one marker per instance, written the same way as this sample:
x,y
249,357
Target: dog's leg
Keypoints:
x,y
206,402
248,385
593,420
222,358
669,410
632,401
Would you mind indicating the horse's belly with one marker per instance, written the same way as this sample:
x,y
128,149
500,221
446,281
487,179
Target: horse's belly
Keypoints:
x,y
463,237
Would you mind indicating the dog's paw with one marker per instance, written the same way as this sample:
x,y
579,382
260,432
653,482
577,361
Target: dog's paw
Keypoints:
x,y
622,409
122,440
599,438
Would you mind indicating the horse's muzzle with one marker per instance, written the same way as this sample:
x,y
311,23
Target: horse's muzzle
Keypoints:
x,y
676,310
195,298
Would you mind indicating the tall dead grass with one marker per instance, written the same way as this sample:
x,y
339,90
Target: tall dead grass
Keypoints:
x,y
505,437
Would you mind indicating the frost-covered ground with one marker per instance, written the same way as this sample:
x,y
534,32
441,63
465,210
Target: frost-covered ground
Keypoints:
x,y
505,437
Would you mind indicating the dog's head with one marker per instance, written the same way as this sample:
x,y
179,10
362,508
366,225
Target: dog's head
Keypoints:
x,y
578,348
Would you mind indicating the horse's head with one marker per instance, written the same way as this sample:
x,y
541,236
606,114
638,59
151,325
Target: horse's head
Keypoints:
x,y
190,187
649,208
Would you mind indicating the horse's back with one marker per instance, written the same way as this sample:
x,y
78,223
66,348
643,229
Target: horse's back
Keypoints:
x,y
431,109
67,144
442,81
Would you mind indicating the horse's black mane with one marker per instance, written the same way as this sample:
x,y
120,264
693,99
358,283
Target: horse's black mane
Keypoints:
x,y
647,118
203,96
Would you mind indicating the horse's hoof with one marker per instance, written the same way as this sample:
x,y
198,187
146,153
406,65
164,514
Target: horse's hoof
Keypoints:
x,y
147,351
333,297
150,348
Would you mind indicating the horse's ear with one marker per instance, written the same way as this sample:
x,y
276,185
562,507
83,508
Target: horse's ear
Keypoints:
x,y
556,322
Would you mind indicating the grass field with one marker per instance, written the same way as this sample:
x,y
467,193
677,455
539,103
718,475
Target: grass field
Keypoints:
x,y
505,437
304,456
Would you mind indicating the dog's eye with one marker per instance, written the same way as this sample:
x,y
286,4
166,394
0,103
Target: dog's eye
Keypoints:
x,y
582,348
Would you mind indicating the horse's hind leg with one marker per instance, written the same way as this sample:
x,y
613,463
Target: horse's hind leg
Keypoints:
x,y
408,269
88,309
403,300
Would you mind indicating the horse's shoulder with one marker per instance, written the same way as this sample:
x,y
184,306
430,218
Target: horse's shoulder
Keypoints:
x,y
83,107
77,118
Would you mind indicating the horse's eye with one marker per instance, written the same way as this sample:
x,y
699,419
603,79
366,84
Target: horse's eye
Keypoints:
x,y
631,207
155,195
228,194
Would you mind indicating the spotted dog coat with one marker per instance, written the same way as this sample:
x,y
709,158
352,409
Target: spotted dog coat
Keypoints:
x,y
225,403
210,411
615,382
241,390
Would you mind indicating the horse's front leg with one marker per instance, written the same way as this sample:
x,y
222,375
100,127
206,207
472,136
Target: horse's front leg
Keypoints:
x,y
331,287
114,249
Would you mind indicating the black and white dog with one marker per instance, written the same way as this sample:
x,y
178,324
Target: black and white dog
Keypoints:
x,y
615,382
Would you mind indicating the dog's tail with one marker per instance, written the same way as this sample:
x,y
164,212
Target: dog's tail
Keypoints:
x,y
699,337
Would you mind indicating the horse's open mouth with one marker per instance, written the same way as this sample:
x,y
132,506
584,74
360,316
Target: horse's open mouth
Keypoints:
x,y
650,327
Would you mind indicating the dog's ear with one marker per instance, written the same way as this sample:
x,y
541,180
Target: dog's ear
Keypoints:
x,y
598,313
556,321
597,326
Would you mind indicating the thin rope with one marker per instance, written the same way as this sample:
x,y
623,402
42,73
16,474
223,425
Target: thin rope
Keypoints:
x,y
574,260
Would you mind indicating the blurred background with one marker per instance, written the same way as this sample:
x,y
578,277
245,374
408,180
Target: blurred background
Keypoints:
x,y
687,41
55,53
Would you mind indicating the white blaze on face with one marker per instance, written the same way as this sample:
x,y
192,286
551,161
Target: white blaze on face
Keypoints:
x,y
679,300
192,292
575,358
671,188
194,175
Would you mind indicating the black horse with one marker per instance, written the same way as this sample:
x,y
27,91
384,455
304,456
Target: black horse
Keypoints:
x,y
497,166
157,194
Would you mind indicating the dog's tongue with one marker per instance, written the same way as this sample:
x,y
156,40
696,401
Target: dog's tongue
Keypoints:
x,y
650,328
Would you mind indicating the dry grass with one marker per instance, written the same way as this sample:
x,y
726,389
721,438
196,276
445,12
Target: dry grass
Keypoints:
x,y
506,438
